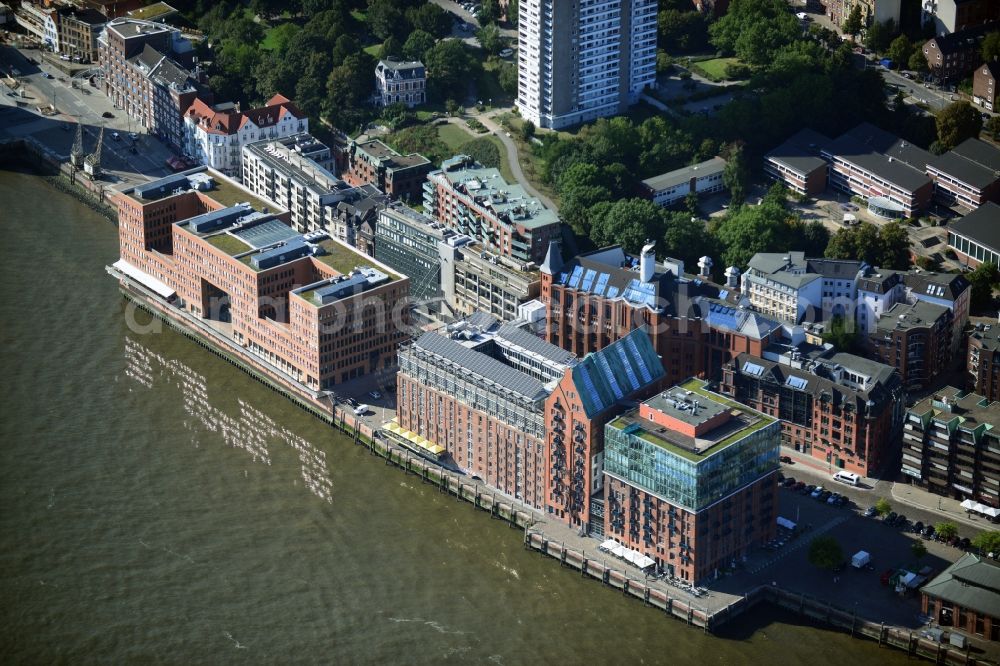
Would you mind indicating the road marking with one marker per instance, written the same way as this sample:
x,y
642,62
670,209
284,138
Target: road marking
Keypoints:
x,y
801,543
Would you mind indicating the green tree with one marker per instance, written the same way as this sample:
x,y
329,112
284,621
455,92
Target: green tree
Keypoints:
x,y
682,31
894,247
527,130
483,151
512,12
628,222
735,175
282,37
418,44
984,280
507,78
825,552
490,38
684,237
882,507
993,127
449,68
843,335
987,542
386,17
489,12
877,36
957,122
918,549
946,530
853,24
747,230
900,50
391,48
432,19
421,139
755,29
990,48
917,60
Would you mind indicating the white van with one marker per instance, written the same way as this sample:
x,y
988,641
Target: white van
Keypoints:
x,y
850,478
361,410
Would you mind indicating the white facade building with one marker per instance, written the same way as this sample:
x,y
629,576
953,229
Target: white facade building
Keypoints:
x,y
583,60
215,135
403,82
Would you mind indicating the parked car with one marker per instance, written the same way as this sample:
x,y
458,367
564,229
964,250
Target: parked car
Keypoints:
x,y
133,136
352,402
891,518
107,114
799,486
786,459
361,410
843,500
901,521
506,53
375,395
928,532
789,482
870,512
824,496
918,527
833,499
115,136
964,543
816,492
808,490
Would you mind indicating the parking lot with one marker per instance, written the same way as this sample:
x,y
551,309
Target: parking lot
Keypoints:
x,y
862,591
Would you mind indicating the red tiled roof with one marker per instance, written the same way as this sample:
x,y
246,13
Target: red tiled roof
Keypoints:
x,y
230,122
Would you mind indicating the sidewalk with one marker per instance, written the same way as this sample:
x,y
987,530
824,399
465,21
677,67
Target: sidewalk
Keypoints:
x,y
948,508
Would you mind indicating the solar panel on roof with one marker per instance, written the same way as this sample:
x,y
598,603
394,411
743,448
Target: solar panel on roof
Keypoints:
x,y
609,374
574,279
563,277
724,294
629,371
602,282
753,369
588,384
588,279
643,370
612,292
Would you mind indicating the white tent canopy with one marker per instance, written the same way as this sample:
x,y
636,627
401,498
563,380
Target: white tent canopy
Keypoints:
x,y
631,556
968,504
978,507
787,524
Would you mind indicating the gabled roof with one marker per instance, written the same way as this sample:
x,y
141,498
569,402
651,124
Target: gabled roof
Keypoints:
x,y
971,582
884,155
621,369
973,162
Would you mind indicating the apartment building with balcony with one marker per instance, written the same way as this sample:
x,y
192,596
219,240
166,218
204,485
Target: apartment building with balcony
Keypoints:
x,y
872,11
145,74
478,393
598,388
583,60
976,237
968,175
983,360
915,339
476,280
953,56
951,446
408,241
672,187
309,310
841,409
502,217
691,481
886,171
398,82
295,172
956,15
40,22
372,162
214,135
797,163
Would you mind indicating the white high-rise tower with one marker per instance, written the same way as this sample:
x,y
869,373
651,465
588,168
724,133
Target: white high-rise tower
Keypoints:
x,y
582,60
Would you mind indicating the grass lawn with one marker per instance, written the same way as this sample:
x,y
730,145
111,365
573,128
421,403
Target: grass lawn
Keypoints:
x,y
714,69
488,85
454,136
373,50
231,245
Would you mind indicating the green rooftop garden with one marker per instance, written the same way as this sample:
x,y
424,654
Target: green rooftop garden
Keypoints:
x,y
698,386
229,244
156,10
229,194
343,259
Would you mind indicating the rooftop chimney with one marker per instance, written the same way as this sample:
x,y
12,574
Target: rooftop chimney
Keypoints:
x,y
647,262
705,267
733,277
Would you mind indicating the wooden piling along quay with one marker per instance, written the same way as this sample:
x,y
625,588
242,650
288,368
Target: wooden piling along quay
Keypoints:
x,y
596,569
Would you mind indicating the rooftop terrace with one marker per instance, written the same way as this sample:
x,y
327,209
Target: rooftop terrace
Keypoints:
x,y
210,183
742,422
